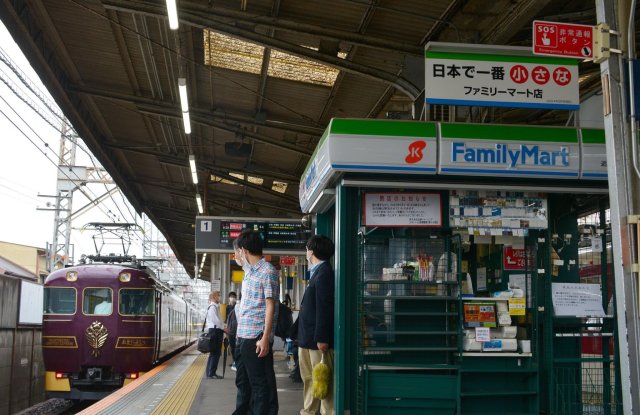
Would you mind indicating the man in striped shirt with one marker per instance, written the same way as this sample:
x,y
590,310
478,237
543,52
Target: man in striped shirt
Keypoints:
x,y
257,316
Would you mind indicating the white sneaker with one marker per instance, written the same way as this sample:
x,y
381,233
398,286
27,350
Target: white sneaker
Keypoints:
x,y
233,367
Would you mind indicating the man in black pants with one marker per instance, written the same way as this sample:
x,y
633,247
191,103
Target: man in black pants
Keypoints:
x,y
215,325
256,314
232,326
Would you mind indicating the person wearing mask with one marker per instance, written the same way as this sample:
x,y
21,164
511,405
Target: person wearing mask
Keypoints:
x,y
232,327
257,315
216,334
315,322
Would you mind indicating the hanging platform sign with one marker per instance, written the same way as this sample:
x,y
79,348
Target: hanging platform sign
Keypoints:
x,y
280,236
498,76
403,209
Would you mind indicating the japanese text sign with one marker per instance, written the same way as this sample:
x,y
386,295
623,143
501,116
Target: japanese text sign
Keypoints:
x,y
513,258
402,209
577,300
500,80
561,39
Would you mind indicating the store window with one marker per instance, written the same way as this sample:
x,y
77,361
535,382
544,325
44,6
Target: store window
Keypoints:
x,y
97,301
136,302
59,300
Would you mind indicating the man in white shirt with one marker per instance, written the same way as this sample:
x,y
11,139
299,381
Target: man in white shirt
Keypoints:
x,y
104,308
216,334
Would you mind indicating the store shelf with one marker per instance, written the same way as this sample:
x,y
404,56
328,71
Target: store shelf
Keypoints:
x,y
484,299
408,349
414,332
411,282
410,297
497,354
412,313
410,367
498,393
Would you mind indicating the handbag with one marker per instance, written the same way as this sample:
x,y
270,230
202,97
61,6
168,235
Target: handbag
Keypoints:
x,y
204,340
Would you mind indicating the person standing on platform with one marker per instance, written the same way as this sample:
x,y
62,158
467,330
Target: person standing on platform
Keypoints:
x,y
232,327
256,315
315,322
216,333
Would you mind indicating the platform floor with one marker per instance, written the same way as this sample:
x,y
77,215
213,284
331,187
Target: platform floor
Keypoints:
x,y
179,386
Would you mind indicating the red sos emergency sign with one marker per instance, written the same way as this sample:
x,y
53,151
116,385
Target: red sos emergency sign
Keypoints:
x,y
563,40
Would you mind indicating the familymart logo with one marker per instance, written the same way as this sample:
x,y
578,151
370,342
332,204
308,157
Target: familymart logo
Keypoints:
x,y
502,154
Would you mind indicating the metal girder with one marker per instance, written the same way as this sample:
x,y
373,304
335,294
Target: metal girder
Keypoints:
x,y
221,114
213,12
503,29
183,162
207,118
150,150
205,22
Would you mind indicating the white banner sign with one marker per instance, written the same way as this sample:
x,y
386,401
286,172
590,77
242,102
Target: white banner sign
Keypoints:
x,y
403,209
577,300
497,79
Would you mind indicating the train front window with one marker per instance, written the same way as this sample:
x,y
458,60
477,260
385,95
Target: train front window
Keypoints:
x,y
136,302
59,300
97,301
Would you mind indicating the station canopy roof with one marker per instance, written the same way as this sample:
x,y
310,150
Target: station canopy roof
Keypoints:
x,y
264,77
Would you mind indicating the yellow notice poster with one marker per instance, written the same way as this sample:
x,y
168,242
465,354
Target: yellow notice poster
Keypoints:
x,y
517,307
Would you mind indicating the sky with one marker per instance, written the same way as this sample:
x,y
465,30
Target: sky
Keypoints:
x,y
29,149
28,158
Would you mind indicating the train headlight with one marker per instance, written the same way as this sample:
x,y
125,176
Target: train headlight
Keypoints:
x,y
72,276
133,375
60,375
125,276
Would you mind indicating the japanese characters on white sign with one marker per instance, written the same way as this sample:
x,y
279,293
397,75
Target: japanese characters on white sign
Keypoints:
x,y
581,300
403,209
500,80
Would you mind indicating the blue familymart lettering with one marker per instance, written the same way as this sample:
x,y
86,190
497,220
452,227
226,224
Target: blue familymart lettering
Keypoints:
x,y
502,154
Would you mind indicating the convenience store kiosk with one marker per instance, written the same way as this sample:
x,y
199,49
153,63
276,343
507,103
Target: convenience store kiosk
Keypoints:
x,y
457,282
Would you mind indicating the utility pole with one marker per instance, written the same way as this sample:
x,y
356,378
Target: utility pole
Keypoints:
x,y
624,183
70,179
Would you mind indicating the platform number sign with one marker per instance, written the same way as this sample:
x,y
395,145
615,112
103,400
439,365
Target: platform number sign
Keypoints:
x,y
205,226
563,40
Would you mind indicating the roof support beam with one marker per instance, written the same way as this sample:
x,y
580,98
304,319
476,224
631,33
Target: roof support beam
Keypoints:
x,y
213,12
205,22
202,117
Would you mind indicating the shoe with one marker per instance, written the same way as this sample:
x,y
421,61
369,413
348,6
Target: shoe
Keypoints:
x,y
214,377
233,367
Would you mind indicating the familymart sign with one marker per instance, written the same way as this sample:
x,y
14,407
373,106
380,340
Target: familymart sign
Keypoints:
x,y
498,76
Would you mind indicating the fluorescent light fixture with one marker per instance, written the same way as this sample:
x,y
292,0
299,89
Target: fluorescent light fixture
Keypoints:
x,y
199,201
204,258
172,11
182,89
187,122
194,172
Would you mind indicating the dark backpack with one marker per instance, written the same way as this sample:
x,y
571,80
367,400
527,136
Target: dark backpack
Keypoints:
x,y
285,321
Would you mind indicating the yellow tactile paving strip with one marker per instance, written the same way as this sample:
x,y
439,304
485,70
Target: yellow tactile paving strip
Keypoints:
x,y
122,392
181,396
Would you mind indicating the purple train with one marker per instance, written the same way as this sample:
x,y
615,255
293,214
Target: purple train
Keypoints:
x,y
107,323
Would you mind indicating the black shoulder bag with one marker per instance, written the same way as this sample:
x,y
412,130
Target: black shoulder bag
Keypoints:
x,y
204,340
